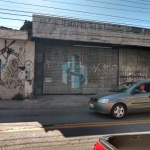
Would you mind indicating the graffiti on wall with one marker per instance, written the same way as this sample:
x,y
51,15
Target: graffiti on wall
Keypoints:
x,y
106,69
134,65
74,73
14,69
134,73
80,70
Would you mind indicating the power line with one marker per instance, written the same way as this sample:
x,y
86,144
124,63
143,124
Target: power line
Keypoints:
x,y
121,0
94,13
15,14
145,1
85,5
48,14
93,19
41,10
85,12
134,2
61,9
78,20
12,19
76,4
75,11
98,6
51,14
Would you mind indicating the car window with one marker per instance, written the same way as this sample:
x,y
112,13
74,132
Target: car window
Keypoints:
x,y
147,87
122,88
137,90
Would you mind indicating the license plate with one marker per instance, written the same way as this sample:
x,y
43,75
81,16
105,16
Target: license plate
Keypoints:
x,y
91,105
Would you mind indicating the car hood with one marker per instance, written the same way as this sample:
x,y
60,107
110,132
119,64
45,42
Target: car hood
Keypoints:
x,y
108,95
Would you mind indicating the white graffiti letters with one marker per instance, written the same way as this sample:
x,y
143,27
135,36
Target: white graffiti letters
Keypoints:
x,y
106,69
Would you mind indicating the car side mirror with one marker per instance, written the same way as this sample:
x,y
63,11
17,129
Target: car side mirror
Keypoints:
x,y
136,91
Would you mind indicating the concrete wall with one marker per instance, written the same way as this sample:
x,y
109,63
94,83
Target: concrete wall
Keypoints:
x,y
17,64
80,30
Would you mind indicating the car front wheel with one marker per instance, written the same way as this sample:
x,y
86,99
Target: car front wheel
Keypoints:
x,y
118,111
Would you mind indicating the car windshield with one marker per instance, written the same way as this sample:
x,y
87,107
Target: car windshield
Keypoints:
x,y
122,88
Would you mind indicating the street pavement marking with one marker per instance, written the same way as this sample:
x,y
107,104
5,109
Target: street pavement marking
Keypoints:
x,y
79,125
98,124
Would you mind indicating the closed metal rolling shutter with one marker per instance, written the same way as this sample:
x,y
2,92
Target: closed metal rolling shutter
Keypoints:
x,y
134,64
78,69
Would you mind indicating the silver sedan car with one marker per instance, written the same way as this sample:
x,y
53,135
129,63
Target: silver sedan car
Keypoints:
x,y
125,98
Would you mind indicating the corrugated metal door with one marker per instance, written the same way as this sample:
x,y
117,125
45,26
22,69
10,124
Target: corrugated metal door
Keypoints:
x,y
79,69
134,64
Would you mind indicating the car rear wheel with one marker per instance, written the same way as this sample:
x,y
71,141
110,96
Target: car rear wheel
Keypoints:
x,y
118,111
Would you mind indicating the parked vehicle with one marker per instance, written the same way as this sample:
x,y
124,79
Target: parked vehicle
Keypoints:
x,y
128,97
124,142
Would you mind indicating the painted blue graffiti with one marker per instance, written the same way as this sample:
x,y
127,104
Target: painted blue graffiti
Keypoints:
x,y
75,73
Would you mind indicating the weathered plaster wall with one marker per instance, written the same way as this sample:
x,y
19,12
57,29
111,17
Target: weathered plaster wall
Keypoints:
x,y
17,65
80,30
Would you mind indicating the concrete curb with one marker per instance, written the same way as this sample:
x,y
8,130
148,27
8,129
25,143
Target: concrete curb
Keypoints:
x,y
47,102
41,104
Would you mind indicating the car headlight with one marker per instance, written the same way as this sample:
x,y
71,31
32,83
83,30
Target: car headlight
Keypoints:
x,y
103,100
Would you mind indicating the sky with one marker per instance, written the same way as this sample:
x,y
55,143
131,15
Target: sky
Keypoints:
x,y
123,12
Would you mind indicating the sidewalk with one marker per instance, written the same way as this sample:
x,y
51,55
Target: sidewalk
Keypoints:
x,y
47,101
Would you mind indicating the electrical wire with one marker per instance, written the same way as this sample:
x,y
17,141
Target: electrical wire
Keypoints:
x,y
48,10
61,9
121,0
96,13
134,2
42,17
50,14
94,19
75,11
98,6
145,1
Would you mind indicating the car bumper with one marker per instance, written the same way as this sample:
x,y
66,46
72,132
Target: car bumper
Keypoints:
x,y
99,107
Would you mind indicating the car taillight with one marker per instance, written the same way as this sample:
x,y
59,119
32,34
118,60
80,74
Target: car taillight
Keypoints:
x,y
99,146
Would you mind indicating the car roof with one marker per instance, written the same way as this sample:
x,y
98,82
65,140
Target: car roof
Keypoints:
x,y
144,81
138,82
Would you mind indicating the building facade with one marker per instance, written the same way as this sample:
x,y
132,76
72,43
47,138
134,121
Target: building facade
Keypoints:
x,y
82,57
17,63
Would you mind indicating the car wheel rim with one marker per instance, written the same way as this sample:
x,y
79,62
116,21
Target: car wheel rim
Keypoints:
x,y
119,111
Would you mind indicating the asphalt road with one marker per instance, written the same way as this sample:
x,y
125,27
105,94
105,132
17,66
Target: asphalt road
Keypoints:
x,y
64,129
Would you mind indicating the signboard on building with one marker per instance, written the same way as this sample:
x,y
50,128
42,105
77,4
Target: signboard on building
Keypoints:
x,y
78,30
